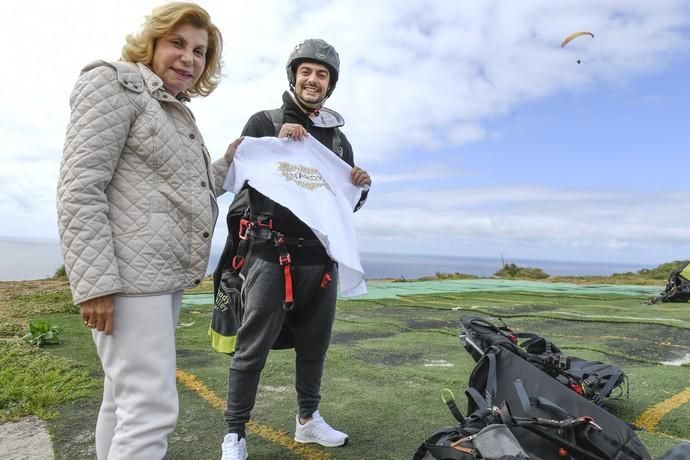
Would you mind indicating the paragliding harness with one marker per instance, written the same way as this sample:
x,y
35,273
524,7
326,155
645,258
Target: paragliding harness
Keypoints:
x,y
507,422
261,229
592,380
677,287
250,218
232,267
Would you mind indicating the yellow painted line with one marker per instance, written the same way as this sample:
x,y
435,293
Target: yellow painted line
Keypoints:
x,y
197,386
650,418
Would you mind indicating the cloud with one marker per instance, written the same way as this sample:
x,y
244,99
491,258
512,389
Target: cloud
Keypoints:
x,y
424,174
528,216
418,80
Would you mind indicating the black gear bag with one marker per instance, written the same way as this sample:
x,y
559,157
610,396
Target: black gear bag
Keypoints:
x,y
505,409
677,287
592,380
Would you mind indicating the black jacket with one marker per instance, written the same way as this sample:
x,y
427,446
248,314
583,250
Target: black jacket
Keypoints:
x,y
284,221
260,125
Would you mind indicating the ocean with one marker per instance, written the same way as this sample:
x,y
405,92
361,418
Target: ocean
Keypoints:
x,y
378,266
34,259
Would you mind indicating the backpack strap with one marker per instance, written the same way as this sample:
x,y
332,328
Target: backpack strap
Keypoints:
x,y
477,398
484,401
490,389
337,146
277,117
522,396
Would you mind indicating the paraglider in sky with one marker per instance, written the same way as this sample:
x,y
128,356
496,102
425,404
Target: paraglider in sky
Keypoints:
x,y
572,37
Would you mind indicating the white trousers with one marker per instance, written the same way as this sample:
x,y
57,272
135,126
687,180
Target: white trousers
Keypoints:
x,y
140,406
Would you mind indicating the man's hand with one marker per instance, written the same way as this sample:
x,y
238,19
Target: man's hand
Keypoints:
x,y
232,148
98,313
293,131
360,177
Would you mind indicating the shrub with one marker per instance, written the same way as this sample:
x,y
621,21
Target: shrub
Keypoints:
x,y
60,272
454,276
662,271
515,271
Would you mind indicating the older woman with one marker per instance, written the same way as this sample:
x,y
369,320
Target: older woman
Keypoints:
x,y
136,210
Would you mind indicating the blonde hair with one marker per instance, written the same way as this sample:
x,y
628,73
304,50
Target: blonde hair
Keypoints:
x,y
139,47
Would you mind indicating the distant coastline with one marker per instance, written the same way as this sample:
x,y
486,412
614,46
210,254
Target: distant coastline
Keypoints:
x,y
24,259
412,266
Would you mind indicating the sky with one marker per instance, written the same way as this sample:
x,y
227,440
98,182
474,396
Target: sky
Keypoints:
x,y
483,137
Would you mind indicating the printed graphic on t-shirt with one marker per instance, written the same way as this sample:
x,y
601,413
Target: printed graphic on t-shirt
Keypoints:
x,y
305,177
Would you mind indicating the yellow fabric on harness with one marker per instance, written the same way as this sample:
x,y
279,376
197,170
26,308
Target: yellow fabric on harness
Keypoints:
x,y
220,342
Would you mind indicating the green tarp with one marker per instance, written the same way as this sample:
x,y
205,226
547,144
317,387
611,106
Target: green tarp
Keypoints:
x,y
391,289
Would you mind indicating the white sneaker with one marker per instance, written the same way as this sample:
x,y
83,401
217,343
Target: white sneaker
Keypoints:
x,y
318,431
232,448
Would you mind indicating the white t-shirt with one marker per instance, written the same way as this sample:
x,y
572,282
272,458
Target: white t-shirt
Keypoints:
x,y
313,183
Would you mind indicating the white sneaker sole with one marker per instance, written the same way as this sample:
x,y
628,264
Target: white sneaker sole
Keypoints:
x,y
320,442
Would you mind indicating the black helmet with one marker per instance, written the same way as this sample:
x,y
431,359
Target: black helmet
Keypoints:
x,y
314,50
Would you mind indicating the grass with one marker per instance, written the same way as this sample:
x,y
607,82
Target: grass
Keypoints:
x,y
35,382
388,362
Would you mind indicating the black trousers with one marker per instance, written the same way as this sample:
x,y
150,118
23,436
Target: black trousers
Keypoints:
x,y
310,321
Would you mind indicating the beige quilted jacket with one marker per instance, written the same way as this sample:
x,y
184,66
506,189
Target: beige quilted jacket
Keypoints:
x,y
136,195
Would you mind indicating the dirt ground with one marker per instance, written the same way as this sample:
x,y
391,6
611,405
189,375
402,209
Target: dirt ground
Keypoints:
x,y
26,439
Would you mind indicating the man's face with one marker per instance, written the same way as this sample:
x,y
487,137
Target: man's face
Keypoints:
x,y
311,82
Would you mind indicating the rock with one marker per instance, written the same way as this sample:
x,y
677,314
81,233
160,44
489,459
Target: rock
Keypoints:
x,y
26,439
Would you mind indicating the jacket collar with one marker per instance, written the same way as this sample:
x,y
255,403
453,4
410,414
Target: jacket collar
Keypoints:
x,y
154,83
291,109
326,118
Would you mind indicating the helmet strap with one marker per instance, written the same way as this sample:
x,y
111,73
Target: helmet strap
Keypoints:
x,y
308,107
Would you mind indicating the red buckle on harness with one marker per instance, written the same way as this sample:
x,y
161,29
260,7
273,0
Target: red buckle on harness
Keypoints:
x,y
284,259
237,262
577,388
326,279
245,226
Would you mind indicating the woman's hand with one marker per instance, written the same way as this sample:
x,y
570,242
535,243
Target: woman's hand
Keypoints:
x,y
293,131
360,177
98,313
232,148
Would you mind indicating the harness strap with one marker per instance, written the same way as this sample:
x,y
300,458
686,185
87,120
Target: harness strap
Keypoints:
x,y
262,229
452,406
522,396
610,384
490,390
476,397
267,234
284,260
240,256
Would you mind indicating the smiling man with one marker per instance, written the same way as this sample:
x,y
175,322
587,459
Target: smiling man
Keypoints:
x,y
289,282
